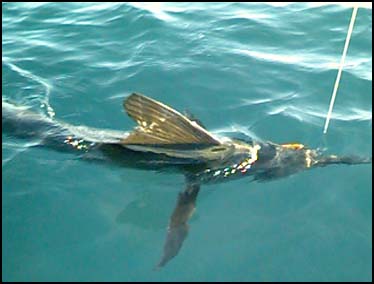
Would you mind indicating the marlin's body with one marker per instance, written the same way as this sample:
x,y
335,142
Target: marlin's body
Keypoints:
x,y
167,140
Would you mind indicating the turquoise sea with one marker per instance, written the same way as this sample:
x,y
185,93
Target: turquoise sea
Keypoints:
x,y
260,69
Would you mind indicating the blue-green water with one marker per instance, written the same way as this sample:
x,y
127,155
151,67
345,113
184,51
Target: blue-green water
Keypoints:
x,y
263,69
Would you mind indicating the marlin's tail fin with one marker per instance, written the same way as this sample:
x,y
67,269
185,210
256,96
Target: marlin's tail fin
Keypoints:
x,y
22,122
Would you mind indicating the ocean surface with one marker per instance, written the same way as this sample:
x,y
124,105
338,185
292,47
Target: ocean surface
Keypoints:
x,y
261,69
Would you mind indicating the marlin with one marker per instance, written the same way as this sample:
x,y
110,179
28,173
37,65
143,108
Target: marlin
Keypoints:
x,y
165,139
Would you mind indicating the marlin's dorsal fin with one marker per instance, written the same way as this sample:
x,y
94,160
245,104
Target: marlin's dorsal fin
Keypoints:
x,y
161,125
191,117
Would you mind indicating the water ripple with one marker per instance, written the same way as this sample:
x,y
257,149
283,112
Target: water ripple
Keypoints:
x,y
315,115
47,86
360,67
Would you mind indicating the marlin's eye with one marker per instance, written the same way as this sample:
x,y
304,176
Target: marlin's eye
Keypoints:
x,y
218,149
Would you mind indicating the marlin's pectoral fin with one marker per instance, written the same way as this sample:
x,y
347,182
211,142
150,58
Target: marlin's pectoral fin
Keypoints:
x,y
178,227
159,124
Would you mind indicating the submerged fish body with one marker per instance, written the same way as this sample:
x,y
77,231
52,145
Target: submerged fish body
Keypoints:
x,y
165,139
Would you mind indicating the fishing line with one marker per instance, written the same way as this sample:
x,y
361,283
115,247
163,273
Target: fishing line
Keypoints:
x,y
354,13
